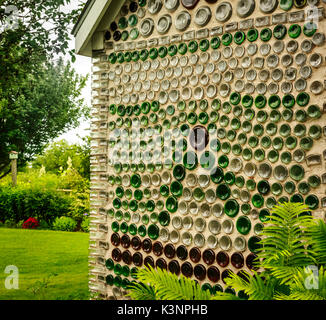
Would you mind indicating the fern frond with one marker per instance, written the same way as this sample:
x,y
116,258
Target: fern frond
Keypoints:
x,y
316,235
302,288
141,291
258,286
169,286
284,242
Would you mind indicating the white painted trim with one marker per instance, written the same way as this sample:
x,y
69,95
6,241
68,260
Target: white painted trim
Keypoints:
x,y
90,23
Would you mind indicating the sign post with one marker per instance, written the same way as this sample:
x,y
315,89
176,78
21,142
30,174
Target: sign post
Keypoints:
x,y
13,156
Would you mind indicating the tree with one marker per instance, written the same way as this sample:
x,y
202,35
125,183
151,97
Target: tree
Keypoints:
x,y
39,98
55,157
45,106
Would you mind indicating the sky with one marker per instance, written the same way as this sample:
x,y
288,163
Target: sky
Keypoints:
x,y
82,67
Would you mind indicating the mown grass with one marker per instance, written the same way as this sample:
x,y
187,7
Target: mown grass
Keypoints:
x,y
52,264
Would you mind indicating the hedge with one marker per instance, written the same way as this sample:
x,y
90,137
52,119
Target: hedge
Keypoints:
x,y
18,204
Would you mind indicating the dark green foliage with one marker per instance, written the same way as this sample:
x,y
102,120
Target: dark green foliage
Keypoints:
x,y
23,203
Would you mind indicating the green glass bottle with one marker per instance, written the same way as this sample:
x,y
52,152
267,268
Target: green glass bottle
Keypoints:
x,y
231,208
243,225
135,180
112,58
239,37
226,39
274,101
132,20
190,160
164,218
223,192
235,98
309,28
204,45
124,37
171,204
294,31
153,231
266,34
286,5
172,51
257,200
182,48
217,175
252,35
162,52
215,42
176,188
134,33
303,99
193,46
223,161
120,57
260,101
279,31
109,264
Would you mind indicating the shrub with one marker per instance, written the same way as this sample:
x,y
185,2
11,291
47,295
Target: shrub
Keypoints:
x,y
44,225
23,202
64,224
85,224
9,224
20,223
30,223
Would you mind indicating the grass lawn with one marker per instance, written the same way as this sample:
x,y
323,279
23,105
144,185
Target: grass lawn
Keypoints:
x,y
37,254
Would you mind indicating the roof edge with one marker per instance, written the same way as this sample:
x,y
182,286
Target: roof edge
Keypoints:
x,y
82,17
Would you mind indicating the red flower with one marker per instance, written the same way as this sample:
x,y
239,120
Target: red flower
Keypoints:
x,y
30,223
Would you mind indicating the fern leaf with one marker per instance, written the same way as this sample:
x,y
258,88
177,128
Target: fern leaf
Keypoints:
x,y
140,291
169,286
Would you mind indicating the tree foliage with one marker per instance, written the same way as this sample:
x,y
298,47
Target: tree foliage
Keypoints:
x,y
39,98
56,156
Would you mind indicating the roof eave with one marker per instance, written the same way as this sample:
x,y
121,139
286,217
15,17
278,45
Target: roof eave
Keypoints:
x,y
87,24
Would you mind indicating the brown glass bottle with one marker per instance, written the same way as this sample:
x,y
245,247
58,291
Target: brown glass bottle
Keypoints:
x,y
237,260
226,273
137,259
249,261
147,245
209,256
115,239
136,243
158,248
169,251
222,259
182,252
149,261
213,274
200,272
242,274
125,241
174,267
189,4
187,269
199,138
126,257
116,254
161,263
195,255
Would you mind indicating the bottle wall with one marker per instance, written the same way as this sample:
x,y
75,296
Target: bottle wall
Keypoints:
x,y
205,115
